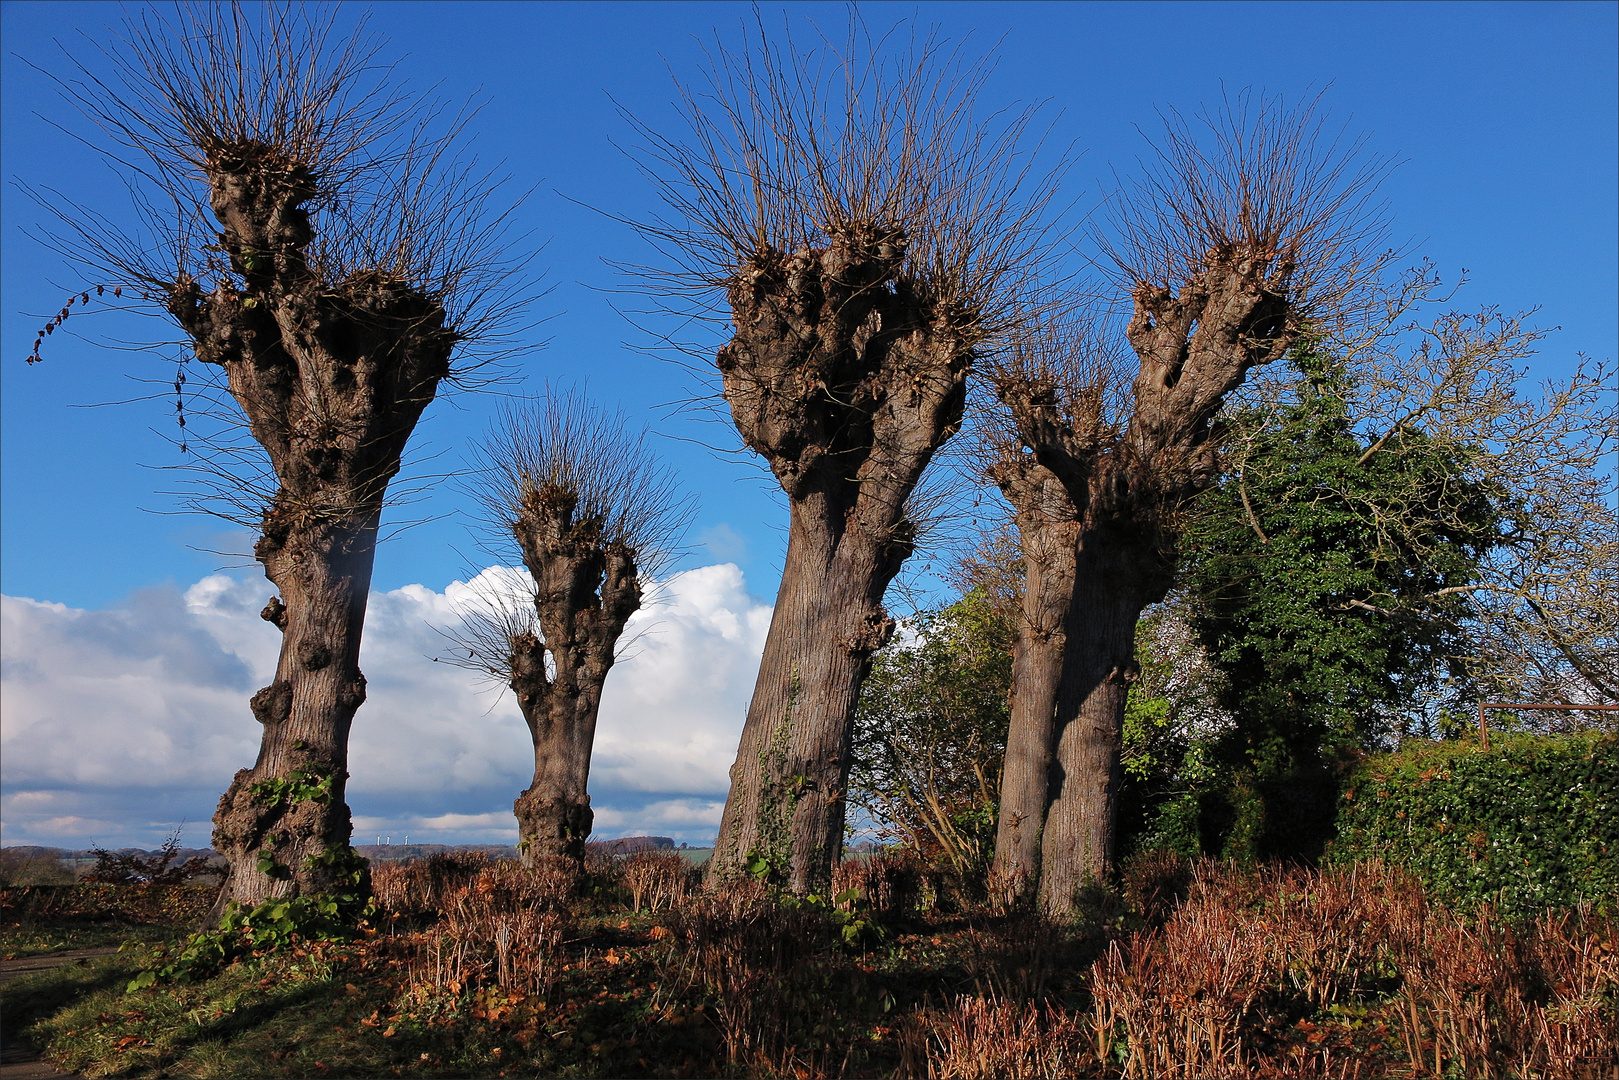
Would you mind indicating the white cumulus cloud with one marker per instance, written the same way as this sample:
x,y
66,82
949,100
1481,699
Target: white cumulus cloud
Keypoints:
x,y
115,725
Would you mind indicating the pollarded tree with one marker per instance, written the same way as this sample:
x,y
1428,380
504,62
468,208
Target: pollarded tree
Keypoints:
x,y
867,231
1229,248
332,260
596,521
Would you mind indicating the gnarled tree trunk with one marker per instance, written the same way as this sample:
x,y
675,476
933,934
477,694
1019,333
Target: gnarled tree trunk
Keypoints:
x,y
332,377
846,382
585,592
1194,347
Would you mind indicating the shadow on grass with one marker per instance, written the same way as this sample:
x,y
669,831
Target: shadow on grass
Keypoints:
x,y
25,940
29,999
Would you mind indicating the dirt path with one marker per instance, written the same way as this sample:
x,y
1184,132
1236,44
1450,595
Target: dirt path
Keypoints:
x,y
19,1061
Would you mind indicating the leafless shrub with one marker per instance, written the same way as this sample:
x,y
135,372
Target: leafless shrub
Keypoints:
x,y
156,868
504,928
747,949
421,886
1467,993
1182,994
657,877
1154,883
744,927
1471,1000
1018,958
888,881
981,1038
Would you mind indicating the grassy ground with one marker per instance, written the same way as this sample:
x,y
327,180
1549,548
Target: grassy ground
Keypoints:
x,y
618,1008
739,986
37,920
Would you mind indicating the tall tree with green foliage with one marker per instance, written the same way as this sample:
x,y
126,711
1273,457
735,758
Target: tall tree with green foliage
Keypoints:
x,y
1330,585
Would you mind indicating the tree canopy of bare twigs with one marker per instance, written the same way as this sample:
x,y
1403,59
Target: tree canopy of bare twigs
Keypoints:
x,y
379,180
325,242
596,521
1277,184
791,149
382,173
868,230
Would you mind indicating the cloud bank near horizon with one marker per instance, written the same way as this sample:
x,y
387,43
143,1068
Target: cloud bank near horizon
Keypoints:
x,y
119,724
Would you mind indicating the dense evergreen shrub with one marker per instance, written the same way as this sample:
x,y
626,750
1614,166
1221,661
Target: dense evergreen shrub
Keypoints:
x,y
1530,824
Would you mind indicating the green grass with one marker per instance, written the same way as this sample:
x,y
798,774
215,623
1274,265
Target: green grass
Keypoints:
x,y
21,941
30,1000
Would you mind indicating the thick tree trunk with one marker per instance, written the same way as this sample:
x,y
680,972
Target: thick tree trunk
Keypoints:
x,y
1125,481
845,377
585,592
1047,531
786,805
331,376
283,825
1109,594
553,814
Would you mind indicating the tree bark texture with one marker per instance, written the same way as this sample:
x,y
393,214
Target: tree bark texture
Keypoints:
x,y
846,378
1047,531
1098,667
1126,487
585,592
332,376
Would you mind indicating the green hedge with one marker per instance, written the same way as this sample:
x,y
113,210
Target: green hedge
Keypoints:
x,y
1530,824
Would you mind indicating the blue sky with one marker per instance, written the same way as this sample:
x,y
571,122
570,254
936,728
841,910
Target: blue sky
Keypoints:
x,y
1503,116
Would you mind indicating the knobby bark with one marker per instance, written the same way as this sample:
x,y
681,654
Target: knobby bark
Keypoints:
x,y
332,376
846,377
585,591
1125,483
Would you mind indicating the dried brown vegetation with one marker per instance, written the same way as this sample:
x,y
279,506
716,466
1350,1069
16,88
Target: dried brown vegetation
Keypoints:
x,y
1346,972
658,878
1187,970
487,923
